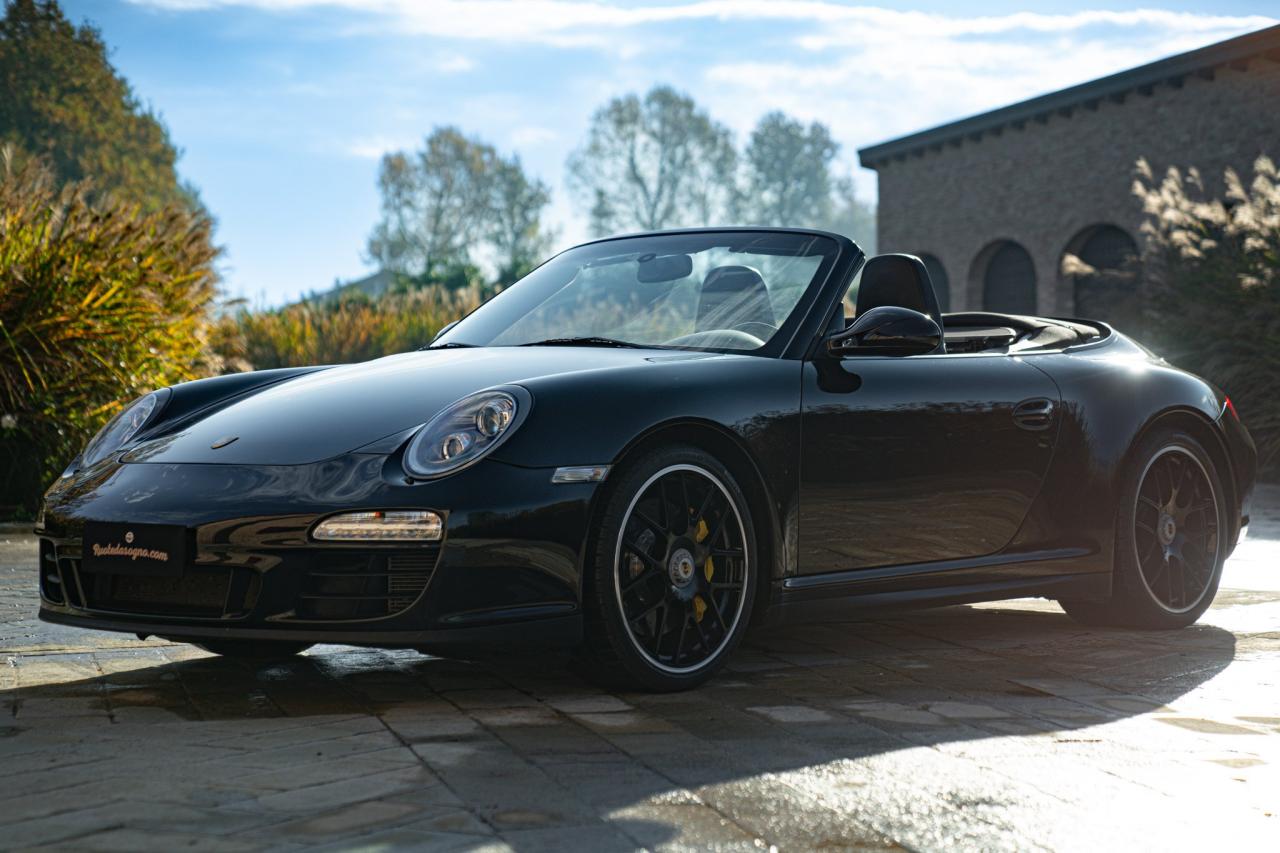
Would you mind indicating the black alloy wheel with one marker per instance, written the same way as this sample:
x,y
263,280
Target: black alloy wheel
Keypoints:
x,y
1171,535
1176,529
674,580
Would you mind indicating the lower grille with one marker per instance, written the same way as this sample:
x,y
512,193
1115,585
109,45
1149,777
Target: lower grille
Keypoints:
x,y
197,593
344,589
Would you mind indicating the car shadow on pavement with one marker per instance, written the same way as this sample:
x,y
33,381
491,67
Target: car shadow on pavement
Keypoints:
x,y
526,744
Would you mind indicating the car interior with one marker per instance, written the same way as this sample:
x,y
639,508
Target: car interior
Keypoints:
x,y
903,281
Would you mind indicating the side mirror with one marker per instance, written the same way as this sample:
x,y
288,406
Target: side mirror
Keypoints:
x,y
887,330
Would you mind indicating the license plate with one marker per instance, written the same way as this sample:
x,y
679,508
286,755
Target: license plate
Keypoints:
x,y
134,549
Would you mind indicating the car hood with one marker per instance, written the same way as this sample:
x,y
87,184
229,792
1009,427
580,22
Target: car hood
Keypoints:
x,y
330,412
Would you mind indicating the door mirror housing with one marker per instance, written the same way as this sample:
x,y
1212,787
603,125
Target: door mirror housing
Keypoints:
x,y
888,330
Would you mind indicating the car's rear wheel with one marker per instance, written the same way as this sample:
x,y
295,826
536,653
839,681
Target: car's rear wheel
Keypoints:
x,y
254,650
674,572
1170,538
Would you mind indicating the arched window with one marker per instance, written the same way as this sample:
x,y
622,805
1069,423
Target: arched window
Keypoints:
x,y
1008,278
941,284
1102,263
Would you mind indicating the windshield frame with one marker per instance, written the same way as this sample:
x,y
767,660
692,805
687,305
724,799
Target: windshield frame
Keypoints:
x,y
777,345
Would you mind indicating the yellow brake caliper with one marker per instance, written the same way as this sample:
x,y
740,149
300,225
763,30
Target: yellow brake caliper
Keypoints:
x,y
708,570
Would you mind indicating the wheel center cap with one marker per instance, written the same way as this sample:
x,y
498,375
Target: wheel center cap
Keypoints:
x,y
680,567
1167,529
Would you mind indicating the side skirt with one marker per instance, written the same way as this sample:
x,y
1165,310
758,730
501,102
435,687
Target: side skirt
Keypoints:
x,y
862,594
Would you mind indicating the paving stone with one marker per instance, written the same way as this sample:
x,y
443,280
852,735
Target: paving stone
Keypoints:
x,y
1001,726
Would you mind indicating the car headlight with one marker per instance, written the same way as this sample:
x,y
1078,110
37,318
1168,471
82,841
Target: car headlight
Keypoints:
x,y
123,427
462,434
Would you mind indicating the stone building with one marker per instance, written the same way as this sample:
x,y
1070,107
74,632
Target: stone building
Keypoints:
x,y
994,202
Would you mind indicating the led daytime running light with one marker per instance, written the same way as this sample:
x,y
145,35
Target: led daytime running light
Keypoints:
x,y
381,526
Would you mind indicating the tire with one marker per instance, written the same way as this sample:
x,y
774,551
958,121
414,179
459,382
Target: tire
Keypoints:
x,y
253,650
669,590
1171,538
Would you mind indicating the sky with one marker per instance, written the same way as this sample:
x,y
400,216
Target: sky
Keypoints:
x,y
282,108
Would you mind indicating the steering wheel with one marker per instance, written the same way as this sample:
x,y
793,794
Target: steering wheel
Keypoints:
x,y
756,329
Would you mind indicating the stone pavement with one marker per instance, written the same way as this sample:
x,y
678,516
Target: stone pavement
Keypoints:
x,y
994,727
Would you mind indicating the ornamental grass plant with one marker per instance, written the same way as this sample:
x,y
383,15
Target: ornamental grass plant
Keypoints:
x,y
100,301
1211,270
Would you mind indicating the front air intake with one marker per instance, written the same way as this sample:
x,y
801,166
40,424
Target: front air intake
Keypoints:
x,y
341,589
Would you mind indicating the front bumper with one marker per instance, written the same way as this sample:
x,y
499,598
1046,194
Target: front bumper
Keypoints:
x,y
507,572
549,632
1243,455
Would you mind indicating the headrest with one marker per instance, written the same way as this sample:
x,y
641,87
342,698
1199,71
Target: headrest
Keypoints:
x,y
732,295
897,280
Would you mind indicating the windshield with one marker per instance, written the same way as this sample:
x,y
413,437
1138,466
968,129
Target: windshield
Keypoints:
x,y
709,291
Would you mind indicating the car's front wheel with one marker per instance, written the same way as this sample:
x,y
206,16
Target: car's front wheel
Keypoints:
x,y
674,572
1170,538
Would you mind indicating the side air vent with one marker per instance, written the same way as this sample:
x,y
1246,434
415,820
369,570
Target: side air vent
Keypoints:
x,y
50,581
348,589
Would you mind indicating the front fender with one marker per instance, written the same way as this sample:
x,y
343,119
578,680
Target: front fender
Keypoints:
x,y
581,419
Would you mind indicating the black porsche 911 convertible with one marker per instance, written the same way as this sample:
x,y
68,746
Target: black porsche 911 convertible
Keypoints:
x,y
643,447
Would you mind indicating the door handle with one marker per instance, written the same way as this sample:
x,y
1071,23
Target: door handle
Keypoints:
x,y
1034,414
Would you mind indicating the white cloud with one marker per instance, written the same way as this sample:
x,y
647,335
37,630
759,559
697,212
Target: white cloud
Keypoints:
x,y
373,147
454,63
569,22
528,136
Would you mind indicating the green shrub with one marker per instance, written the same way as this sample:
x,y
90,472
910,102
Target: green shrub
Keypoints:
x,y
99,302
340,331
1212,279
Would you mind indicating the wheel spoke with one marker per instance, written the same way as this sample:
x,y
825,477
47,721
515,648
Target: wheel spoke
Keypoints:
x,y
1182,581
720,524
644,577
1153,578
715,609
702,637
634,548
666,505
643,517
1146,555
1149,502
1199,506
685,509
1187,475
675,656
712,492
643,613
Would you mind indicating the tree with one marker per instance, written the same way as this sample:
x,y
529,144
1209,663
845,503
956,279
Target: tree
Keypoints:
x,y
660,162
1211,286
851,216
790,181
64,103
452,202
433,203
788,173
515,233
